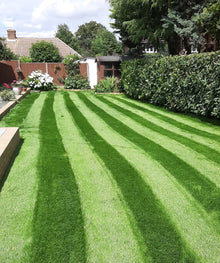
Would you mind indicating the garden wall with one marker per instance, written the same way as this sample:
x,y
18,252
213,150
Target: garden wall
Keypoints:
x,y
8,70
188,84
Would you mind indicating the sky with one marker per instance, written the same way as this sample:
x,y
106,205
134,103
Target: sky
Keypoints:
x,y
40,18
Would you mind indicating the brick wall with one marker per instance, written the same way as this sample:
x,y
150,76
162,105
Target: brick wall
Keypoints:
x,y
8,70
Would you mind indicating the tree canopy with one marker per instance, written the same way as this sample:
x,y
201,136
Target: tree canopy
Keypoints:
x,y
65,34
44,52
85,34
106,43
169,22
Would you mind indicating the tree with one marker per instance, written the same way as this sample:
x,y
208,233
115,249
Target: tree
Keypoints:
x,y
160,22
106,43
6,53
209,24
64,33
44,52
85,34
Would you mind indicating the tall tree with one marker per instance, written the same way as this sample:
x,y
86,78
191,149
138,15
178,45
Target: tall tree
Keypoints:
x,y
160,22
209,24
65,34
106,43
86,33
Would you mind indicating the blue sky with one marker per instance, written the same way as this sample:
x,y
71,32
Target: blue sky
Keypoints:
x,y
40,18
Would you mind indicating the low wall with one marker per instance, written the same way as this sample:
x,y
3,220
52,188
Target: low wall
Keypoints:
x,y
8,70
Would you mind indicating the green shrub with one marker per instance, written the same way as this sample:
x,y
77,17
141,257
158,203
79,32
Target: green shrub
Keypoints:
x,y
76,82
25,59
7,95
106,85
71,63
179,83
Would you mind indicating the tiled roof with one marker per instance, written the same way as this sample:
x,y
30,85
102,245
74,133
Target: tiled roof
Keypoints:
x,y
21,45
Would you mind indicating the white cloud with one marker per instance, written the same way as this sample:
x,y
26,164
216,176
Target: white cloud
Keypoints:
x,y
30,17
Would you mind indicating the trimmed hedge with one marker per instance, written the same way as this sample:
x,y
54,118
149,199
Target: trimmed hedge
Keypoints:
x,y
188,84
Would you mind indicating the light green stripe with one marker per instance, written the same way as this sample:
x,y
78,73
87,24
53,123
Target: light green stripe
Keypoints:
x,y
21,184
201,139
193,223
109,234
193,122
207,168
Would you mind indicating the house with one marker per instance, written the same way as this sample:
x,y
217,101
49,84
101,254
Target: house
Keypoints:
x,y
21,45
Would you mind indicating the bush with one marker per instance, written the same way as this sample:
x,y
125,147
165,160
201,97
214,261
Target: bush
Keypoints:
x,y
25,59
44,52
71,63
7,95
39,81
106,85
179,83
76,82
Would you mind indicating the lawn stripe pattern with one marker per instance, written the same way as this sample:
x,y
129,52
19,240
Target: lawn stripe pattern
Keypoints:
x,y
103,207
155,225
199,158
103,178
189,217
192,125
58,228
17,198
199,186
211,154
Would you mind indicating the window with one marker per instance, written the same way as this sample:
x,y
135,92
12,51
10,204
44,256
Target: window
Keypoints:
x,y
112,69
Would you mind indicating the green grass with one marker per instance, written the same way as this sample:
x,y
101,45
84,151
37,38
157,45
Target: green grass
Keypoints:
x,y
108,179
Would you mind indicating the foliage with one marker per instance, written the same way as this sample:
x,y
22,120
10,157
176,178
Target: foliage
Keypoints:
x,y
7,95
172,23
5,52
85,34
71,63
25,59
179,83
44,52
39,81
105,44
64,33
76,82
106,85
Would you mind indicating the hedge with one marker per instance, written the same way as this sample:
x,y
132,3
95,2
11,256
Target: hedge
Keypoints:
x,y
189,84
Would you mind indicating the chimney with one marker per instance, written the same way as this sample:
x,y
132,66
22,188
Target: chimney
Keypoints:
x,y
11,34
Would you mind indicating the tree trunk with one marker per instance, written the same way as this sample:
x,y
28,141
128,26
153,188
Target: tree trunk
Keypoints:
x,y
174,44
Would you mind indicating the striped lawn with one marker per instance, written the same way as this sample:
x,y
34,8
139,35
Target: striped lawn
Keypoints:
x,y
102,178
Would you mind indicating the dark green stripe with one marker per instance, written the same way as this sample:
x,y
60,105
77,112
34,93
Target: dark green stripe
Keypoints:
x,y
200,148
58,227
161,239
17,115
202,189
170,120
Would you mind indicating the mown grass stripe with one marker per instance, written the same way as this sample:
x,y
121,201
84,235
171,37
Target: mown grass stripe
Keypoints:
x,y
183,122
158,232
108,232
18,114
211,154
58,228
199,186
17,198
197,227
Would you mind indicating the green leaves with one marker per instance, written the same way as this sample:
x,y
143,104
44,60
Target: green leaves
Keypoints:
x,y
44,52
185,84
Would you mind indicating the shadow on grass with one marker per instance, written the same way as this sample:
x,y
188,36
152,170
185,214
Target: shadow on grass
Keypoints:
x,y
58,225
162,242
15,154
